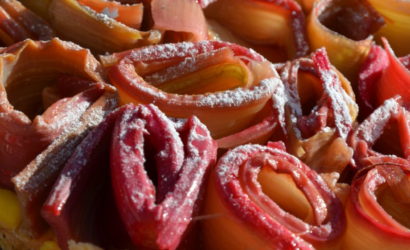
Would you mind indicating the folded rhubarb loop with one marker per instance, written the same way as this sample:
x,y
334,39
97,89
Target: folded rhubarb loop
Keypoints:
x,y
397,29
228,87
378,206
318,112
383,76
29,74
385,132
18,23
260,197
81,206
34,182
157,170
345,28
266,26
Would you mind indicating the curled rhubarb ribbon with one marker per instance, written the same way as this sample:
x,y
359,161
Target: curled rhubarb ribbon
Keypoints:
x,y
18,23
345,28
35,106
383,76
33,184
318,112
397,27
262,197
226,86
377,209
266,26
157,170
385,132
109,26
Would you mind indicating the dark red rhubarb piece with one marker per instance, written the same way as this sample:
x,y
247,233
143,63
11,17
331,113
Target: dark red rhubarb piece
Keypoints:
x,y
157,170
157,216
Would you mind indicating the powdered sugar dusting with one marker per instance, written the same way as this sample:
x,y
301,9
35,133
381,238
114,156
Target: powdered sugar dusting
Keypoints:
x,y
333,88
373,126
167,51
239,96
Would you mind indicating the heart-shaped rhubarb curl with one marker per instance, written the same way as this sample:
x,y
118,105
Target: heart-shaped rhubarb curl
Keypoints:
x,y
157,168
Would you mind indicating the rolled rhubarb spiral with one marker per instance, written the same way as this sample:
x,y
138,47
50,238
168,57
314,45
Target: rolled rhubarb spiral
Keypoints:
x,y
261,197
109,26
18,23
383,76
345,28
377,209
153,168
229,88
45,87
318,112
269,27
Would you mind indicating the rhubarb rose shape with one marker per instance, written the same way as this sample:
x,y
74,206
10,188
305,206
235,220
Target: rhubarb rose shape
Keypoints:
x,y
378,207
317,112
45,88
138,172
260,197
345,28
228,87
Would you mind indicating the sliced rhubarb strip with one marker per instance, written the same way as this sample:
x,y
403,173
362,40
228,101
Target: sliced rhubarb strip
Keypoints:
x,y
247,82
246,210
158,216
34,182
378,206
320,111
128,14
259,133
26,126
185,16
345,28
264,23
18,23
